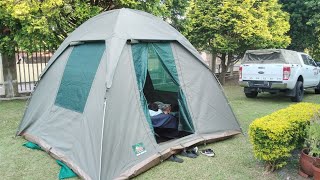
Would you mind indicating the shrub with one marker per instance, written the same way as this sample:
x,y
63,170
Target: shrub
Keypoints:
x,y
275,136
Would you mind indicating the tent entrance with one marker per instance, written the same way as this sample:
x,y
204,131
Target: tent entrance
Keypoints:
x,y
168,94
158,81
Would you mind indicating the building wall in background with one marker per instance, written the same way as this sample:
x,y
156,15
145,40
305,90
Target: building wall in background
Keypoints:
x,y
206,56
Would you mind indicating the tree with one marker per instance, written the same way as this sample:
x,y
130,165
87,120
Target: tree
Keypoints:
x,y
228,28
50,21
30,24
305,25
33,23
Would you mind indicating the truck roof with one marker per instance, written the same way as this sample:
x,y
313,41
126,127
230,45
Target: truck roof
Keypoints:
x,y
271,56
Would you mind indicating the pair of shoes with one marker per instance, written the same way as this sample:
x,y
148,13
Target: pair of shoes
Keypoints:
x,y
195,150
174,158
188,154
207,152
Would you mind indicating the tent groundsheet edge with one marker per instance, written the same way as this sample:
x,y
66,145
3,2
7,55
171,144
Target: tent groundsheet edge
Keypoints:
x,y
56,155
138,168
161,156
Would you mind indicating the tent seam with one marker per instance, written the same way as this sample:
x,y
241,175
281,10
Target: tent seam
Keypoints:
x,y
102,133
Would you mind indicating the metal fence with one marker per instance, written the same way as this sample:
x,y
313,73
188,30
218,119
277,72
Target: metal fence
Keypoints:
x,y
29,66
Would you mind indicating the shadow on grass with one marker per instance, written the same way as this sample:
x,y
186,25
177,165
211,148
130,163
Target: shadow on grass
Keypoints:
x,y
280,97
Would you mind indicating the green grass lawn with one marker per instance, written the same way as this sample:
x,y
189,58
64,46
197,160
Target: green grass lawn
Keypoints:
x,y
234,158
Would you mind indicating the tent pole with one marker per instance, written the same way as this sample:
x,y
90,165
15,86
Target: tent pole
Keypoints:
x,y
102,131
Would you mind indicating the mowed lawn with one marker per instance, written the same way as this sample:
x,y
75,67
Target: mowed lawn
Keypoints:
x,y
234,158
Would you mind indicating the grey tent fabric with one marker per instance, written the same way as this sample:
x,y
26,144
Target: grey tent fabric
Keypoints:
x,y
110,137
136,22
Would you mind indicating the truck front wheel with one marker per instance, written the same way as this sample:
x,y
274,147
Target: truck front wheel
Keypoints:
x,y
251,94
299,92
317,89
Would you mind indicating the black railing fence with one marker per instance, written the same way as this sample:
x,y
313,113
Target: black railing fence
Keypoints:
x,y
29,66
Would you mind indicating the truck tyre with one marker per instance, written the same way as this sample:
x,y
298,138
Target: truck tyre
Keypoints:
x,y
299,92
317,89
251,94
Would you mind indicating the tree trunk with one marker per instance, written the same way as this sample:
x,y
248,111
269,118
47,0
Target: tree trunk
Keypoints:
x,y
231,69
229,60
222,75
10,75
213,61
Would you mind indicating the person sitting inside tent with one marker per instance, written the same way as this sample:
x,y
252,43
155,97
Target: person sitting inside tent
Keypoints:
x,y
154,109
164,124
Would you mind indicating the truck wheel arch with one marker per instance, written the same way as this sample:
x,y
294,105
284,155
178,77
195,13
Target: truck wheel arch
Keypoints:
x,y
300,78
292,92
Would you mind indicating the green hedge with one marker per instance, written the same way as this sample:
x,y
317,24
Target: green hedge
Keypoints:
x,y
275,136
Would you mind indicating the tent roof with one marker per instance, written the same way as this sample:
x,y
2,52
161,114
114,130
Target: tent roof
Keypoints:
x,y
121,25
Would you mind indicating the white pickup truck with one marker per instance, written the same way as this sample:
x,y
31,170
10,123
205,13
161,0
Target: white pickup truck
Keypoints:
x,y
278,70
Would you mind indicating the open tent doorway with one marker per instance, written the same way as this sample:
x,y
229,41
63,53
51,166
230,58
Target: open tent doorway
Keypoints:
x,y
158,81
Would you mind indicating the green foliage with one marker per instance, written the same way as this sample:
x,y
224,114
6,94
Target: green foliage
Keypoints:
x,y
305,25
313,137
30,23
171,10
275,136
228,26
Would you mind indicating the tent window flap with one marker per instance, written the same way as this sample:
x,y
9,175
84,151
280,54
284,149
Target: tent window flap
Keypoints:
x,y
78,75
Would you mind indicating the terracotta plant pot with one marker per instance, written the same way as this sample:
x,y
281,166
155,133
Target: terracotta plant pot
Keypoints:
x,y
306,162
316,171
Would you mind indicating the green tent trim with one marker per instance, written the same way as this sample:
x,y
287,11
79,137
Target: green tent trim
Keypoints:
x,y
32,145
65,171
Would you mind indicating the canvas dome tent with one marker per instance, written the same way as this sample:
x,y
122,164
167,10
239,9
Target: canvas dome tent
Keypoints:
x,y
89,109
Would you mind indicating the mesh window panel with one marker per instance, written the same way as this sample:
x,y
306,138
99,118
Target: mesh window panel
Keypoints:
x,y
160,78
78,76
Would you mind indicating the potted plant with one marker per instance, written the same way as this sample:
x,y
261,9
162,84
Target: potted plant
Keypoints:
x,y
310,156
316,171
314,130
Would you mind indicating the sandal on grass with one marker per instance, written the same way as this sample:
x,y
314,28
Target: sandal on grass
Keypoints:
x,y
195,150
174,158
188,154
207,152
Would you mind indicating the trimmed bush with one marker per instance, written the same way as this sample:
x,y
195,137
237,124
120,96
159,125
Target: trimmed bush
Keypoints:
x,y
275,136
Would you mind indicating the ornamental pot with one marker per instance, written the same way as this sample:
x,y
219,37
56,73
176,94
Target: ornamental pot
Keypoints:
x,y
306,162
316,171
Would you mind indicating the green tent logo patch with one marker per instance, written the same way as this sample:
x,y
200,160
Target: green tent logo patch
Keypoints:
x,y
139,149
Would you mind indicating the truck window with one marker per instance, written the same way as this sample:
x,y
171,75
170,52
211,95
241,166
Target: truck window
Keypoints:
x,y
311,61
305,59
